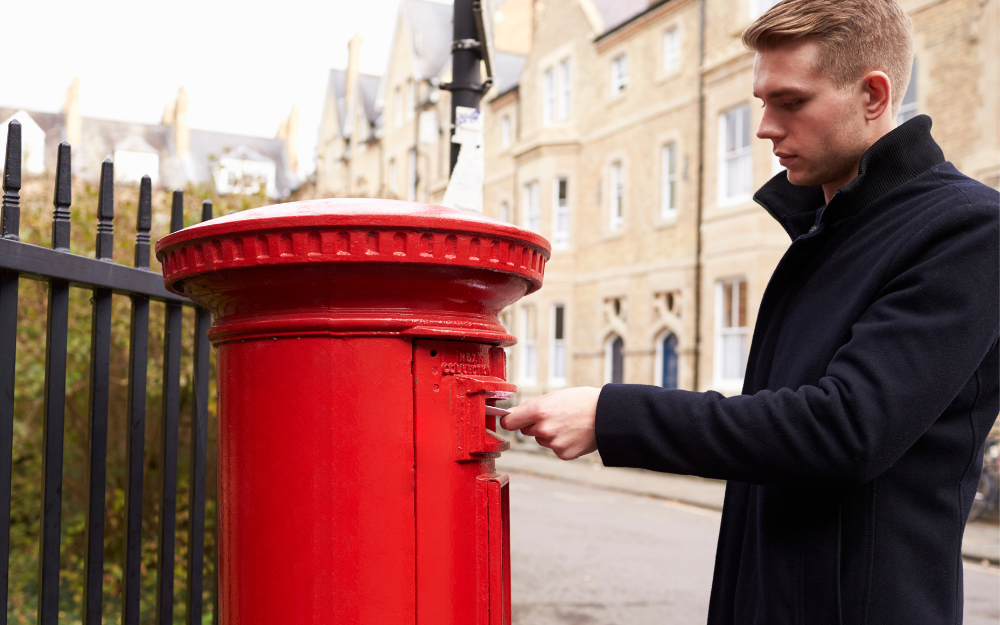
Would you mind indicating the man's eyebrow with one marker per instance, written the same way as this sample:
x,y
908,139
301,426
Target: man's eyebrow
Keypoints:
x,y
777,93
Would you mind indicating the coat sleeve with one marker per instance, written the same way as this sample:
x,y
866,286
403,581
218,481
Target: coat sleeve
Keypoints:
x,y
913,350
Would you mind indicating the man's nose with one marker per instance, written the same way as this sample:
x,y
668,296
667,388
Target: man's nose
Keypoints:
x,y
769,128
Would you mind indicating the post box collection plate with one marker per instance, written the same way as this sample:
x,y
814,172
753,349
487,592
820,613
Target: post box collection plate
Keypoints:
x,y
358,346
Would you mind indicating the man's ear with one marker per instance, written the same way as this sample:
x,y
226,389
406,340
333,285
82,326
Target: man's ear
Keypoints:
x,y
878,90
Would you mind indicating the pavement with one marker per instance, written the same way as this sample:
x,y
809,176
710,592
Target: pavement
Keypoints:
x,y
981,543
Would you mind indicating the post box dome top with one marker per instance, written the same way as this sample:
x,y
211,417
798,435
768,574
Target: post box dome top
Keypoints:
x,y
352,230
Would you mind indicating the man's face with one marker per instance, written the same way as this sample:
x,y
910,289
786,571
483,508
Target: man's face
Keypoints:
x,y
816,128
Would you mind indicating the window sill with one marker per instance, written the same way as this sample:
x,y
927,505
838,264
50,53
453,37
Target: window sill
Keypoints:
x,y
666,221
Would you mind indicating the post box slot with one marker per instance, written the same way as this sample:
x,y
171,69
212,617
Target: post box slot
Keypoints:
x,y
477,437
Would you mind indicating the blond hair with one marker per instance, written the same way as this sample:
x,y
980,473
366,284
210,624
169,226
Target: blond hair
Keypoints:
x,y
856,36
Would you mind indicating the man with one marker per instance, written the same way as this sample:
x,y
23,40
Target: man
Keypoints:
x,y
854,451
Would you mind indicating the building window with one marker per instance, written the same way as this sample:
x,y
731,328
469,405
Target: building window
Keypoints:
x,y
565,90
526,340
558,370
760,7
619,74
668,176
908,109
667,361
505,131
560,214
397,107
614,360
393,178
505,212
671,51
548,96
732,332
411,176
532,211
411,98
736,165
616,193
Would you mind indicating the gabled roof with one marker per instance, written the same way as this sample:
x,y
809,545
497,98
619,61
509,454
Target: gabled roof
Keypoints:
x,y
368,92
617,12
99,138
336,89
430,31
507,70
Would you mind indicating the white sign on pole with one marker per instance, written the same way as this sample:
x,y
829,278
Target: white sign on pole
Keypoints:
x,y
465,189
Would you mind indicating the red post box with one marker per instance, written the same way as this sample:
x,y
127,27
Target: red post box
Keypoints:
x,y
358,344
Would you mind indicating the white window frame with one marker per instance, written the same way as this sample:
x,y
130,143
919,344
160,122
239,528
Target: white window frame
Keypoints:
x,y
411,98
560,214
738,160
532,207
557,352
411,175
565,86
397,104
548,96
740,333
393,177
528,345
619,74
609,357
505,131
671,50
669,181
616,195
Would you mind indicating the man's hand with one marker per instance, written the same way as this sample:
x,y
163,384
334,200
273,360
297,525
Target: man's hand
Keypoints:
x,y
562,420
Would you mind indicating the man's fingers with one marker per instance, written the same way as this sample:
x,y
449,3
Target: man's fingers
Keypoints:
x,y
519,418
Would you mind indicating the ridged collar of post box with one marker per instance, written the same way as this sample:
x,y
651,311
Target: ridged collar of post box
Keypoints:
x,y
347,267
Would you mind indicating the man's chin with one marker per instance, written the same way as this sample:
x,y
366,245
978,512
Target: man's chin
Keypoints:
x,y
801,178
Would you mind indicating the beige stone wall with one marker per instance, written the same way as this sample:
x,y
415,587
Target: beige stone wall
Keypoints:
x,y
650,265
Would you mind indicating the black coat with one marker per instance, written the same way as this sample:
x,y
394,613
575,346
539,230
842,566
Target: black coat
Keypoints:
x,y
854,451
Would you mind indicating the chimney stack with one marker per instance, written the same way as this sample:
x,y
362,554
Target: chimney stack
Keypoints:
x,y
288,132
182,132
71,113
353,71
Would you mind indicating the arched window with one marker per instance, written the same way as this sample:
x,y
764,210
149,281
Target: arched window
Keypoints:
x,y
615,360
668,362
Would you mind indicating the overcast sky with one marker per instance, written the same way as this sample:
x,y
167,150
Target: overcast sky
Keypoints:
x,y
244,63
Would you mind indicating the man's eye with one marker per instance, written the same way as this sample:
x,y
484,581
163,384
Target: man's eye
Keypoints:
x,y
791,104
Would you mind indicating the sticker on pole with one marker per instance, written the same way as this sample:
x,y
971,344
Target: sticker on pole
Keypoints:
x,y
465,189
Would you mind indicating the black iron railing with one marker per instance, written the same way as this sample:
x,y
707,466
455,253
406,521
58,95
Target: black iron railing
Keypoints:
x,y
63,271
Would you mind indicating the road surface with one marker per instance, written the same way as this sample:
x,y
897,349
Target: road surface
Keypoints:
x,y
584,556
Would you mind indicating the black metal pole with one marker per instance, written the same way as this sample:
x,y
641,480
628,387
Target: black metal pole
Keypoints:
x,y
466,87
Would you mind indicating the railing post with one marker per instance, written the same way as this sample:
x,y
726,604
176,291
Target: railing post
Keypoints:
x,y
136,434
100,380
168,441
8,342
199,457
56,334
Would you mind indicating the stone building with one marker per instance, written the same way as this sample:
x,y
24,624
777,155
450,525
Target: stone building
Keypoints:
x,y
172,153
627,138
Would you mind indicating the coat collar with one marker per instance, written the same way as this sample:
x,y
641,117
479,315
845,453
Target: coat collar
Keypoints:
x,y
902,154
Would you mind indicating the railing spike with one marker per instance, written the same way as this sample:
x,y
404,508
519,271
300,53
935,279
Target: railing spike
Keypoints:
x,y
144,223
106,211
62,199
11,217
206,210
177,211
